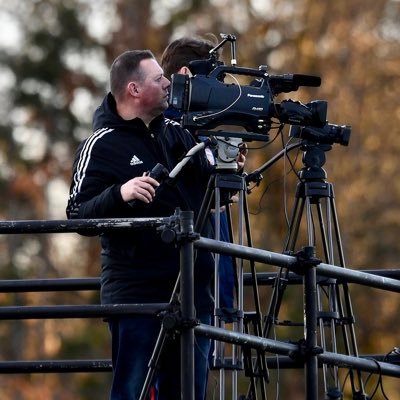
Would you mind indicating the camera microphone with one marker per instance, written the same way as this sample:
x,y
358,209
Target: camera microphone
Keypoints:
x,y
159,173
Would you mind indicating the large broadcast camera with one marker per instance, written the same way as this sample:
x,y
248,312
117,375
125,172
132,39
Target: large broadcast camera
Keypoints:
x,y
206,101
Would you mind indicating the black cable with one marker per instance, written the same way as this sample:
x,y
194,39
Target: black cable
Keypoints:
x,y
379,380
260,208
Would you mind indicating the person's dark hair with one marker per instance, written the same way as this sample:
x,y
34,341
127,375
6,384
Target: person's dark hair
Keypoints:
x,y
181,51
126,67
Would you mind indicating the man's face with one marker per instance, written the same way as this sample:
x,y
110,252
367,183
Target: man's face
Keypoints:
x,y
154,88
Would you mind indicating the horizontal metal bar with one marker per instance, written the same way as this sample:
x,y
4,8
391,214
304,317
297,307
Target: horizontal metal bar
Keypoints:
x,y
67,284
84,226
47,285
54,366
105,365
361,364
247,253
286,362
283,348
79,311
257,342
268,278
290,262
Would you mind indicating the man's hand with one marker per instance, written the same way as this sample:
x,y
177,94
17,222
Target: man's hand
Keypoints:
x,y
142,188
241,158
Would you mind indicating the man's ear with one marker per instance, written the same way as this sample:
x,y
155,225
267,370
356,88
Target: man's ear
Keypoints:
x,y
133,89
184,70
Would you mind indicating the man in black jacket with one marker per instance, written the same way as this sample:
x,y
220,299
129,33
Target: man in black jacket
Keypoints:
x,y
130,137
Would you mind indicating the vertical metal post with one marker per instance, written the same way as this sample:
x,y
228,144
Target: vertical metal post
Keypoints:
x,y
187,304
310,327
219,347
237,350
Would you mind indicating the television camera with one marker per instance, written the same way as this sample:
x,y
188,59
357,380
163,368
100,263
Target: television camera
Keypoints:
x,y
207,101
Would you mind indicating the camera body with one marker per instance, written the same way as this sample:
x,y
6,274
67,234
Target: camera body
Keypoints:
x,y
206,101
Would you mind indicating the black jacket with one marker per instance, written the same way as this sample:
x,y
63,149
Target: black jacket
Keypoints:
x,y
138,266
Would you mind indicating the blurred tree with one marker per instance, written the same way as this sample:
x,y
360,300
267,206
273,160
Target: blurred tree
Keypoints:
x,y
52,76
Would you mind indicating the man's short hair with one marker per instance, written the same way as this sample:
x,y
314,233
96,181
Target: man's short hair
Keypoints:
x,y
181,51
125,68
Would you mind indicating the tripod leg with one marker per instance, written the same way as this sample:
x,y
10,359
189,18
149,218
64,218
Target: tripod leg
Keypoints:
x,y
259,368
347,303
153,363
282,277
158,348
336,294
295,220
205,206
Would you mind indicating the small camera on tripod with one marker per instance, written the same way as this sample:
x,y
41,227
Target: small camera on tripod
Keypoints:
x,y
328,134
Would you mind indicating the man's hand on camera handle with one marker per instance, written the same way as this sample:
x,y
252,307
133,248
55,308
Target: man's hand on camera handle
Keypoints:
x,y
141,188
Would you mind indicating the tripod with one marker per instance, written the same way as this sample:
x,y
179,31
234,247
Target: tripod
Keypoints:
x,y
315,196
220,187
221,184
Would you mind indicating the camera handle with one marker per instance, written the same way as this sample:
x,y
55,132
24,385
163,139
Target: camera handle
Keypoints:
x,y
226,38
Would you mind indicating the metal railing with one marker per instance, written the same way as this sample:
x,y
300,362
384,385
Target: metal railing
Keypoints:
x,y
182,227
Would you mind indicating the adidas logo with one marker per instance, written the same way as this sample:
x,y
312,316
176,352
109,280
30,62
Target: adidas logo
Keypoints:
x,y
135,161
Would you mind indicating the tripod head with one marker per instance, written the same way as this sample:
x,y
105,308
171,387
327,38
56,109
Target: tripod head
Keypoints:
x,y
313,160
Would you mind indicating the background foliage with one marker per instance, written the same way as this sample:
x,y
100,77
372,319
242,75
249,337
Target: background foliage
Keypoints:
x,y
54,59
